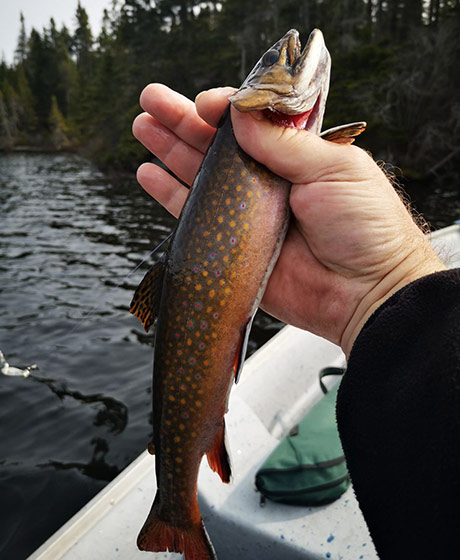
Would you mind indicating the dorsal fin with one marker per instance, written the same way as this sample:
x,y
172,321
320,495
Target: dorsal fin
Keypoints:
x,y
345,133
146,300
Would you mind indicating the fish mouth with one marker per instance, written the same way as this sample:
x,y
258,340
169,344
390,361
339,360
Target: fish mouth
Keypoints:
x,y
291,91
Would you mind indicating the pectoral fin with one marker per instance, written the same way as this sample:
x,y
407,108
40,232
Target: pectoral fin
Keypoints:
x,y
345,133
146,300
239,359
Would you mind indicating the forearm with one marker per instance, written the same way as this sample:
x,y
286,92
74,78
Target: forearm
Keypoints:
x,y
399,418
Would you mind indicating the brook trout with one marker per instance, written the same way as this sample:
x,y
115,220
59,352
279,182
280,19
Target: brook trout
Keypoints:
x,y
204,293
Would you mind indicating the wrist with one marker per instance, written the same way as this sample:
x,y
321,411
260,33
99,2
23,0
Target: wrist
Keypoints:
x,y
419,263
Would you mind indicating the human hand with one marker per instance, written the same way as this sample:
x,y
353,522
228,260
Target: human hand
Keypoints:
x,y
351,243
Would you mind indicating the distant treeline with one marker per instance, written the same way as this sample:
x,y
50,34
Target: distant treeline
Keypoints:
x,y
395,64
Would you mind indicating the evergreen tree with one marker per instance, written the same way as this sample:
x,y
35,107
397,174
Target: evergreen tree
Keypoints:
x,y
20,54
57,126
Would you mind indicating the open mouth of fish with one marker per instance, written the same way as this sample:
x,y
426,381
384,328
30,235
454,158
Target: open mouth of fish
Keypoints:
x,y
288,84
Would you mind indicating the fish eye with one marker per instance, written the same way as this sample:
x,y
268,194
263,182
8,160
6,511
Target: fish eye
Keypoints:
x,y
270,57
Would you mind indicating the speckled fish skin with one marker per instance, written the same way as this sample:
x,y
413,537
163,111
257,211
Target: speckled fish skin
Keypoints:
x,y
227,241
228,237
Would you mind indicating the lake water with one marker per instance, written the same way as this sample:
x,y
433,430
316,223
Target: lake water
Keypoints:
x,y
69,238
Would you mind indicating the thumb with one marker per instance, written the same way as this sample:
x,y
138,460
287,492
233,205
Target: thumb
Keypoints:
x,y
297,155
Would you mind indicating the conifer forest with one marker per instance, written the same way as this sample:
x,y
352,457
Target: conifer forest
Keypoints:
x,y
395,64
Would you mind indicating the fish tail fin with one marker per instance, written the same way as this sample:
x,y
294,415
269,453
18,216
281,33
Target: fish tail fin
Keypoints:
x,y
158,535
217,456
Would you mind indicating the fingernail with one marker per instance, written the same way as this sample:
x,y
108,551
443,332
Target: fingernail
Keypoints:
x,y
198,96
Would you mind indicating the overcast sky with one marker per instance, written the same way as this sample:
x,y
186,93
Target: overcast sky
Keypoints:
x,y
37,13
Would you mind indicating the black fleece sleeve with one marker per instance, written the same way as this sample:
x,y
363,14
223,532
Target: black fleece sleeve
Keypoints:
x,y
398,412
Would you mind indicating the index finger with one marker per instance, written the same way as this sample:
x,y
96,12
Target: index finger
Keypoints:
x,y
177,113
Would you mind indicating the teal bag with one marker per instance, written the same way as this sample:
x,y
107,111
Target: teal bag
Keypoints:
x,y
308,467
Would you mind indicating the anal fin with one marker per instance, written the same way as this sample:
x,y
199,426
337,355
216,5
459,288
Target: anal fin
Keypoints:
x,y
146,300
217,456
345,133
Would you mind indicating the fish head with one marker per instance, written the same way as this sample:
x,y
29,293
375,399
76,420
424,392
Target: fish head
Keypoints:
x,y
289,84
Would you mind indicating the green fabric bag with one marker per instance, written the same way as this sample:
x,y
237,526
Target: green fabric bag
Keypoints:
x,y
308,467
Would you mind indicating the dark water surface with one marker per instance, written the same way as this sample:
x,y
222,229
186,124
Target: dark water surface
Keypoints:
x,y
68,239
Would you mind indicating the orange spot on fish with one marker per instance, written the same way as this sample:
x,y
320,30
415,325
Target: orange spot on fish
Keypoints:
x,y
198,287
179,460
172,398
177,439
212,293
232,224
205,233
181,427
219,235
198,404
220,219
228,201
239,188
249,194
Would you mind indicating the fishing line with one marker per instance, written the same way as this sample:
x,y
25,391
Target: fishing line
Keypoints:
x,y
79,322
93,310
